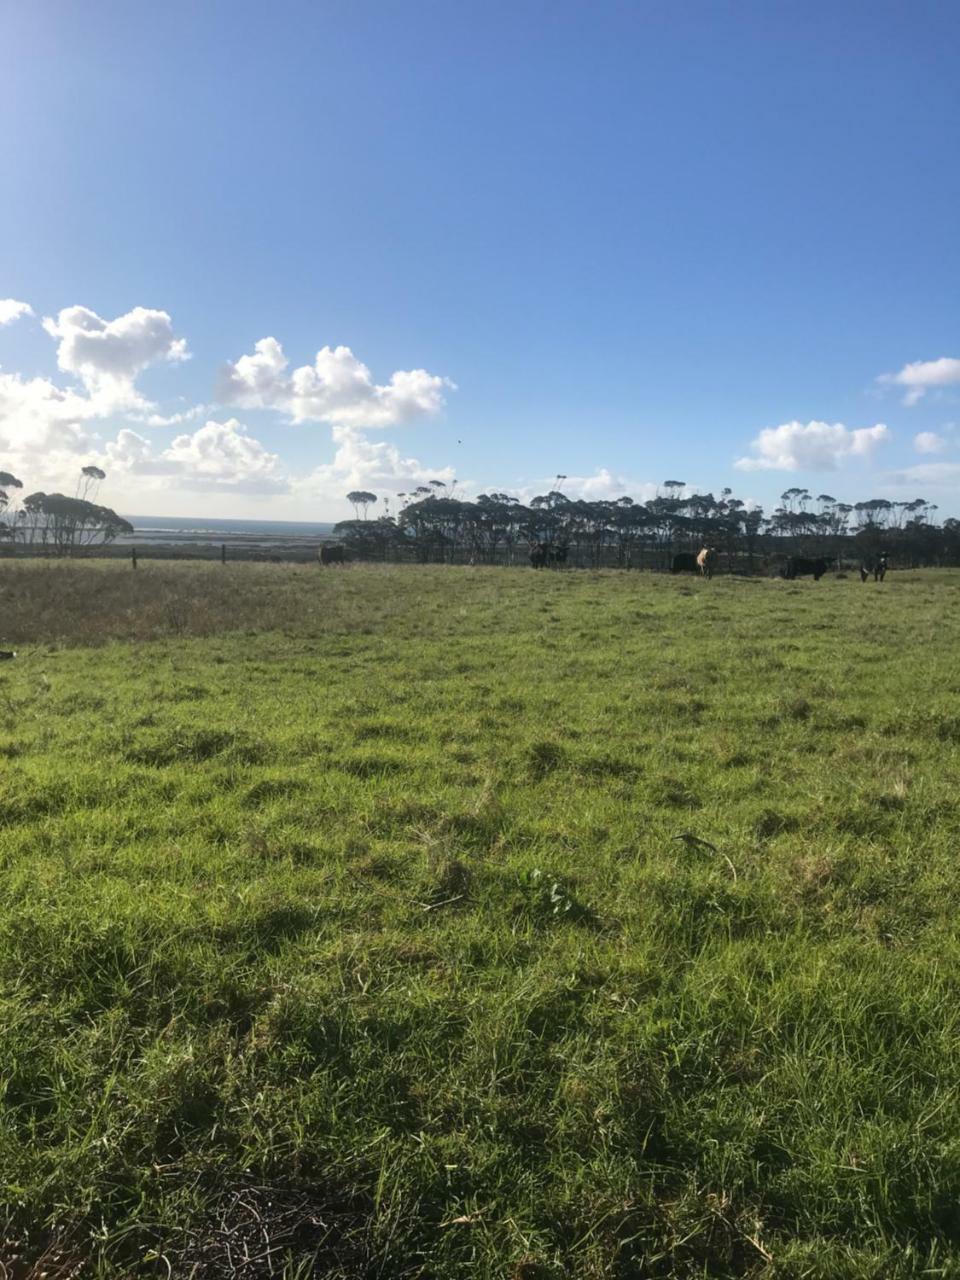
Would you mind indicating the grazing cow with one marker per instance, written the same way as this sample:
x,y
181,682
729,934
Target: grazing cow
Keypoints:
x,y
877,565
707,561
800,566
684,562
5,654
544,553
332,554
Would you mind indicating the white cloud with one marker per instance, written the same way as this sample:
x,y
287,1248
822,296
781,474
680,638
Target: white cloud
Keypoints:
x,y
11,309
46,430
257,381
28,406
929,442
219,456
360,463
811,446
603,486
173,419
337,388
921,375
41,428
108,355
606,485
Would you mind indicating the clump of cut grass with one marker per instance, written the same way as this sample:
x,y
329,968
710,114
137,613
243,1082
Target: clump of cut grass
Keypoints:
x,y
544,757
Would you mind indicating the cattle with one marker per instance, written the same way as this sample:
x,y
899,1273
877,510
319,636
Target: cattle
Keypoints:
x,y
332,553
800,567
544,553
6,654
877,565
684,562
707,561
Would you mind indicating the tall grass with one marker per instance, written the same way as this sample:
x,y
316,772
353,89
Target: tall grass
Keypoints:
x,y
447,922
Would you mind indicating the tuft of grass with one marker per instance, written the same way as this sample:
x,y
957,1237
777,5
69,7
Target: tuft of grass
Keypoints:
x,y
421,922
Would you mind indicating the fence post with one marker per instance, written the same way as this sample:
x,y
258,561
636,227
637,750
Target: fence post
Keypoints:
x,y
223,553
133,556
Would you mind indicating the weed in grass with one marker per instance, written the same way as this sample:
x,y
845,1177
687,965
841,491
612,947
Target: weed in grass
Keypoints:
x,y
548,898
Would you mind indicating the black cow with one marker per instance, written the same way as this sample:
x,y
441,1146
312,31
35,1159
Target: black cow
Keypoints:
x,y
332,554
5,654
544,553
800,566
685,562
877,565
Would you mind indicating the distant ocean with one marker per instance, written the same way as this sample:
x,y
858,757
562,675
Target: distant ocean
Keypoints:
x,y
188,531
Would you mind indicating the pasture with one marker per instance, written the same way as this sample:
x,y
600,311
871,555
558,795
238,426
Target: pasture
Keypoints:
x,y
478,923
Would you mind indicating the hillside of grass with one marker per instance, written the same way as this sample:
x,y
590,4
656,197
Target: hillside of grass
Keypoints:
x,y
478,923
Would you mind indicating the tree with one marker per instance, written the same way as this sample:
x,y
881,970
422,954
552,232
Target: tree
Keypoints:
x,y
59,523
89,482
368,539
7,482
360,500
62,524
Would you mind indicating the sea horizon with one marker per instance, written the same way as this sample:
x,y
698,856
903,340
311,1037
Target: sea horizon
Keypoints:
x,y
193,529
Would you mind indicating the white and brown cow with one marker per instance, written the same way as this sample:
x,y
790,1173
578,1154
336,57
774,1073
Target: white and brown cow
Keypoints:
x,y
707,561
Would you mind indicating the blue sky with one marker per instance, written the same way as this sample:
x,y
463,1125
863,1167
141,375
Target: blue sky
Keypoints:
x,y
644,241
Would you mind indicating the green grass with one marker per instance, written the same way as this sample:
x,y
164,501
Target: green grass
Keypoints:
x,y
344,914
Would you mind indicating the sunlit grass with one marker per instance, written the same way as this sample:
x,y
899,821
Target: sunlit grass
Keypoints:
x,y
479,922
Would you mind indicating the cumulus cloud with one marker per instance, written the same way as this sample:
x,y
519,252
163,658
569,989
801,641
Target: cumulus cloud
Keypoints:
x,y
257,381
811,446
360,463
603,485
45,435
929,442
11,309
47,431
922,375
219,456
40,420
108,355
337,388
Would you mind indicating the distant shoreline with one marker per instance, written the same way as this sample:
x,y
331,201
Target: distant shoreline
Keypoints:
x,y
200,532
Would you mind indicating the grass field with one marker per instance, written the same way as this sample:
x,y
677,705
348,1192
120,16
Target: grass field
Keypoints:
x,y
478,923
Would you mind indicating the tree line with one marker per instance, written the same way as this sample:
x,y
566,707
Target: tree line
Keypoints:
x,y
55,522
435,525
